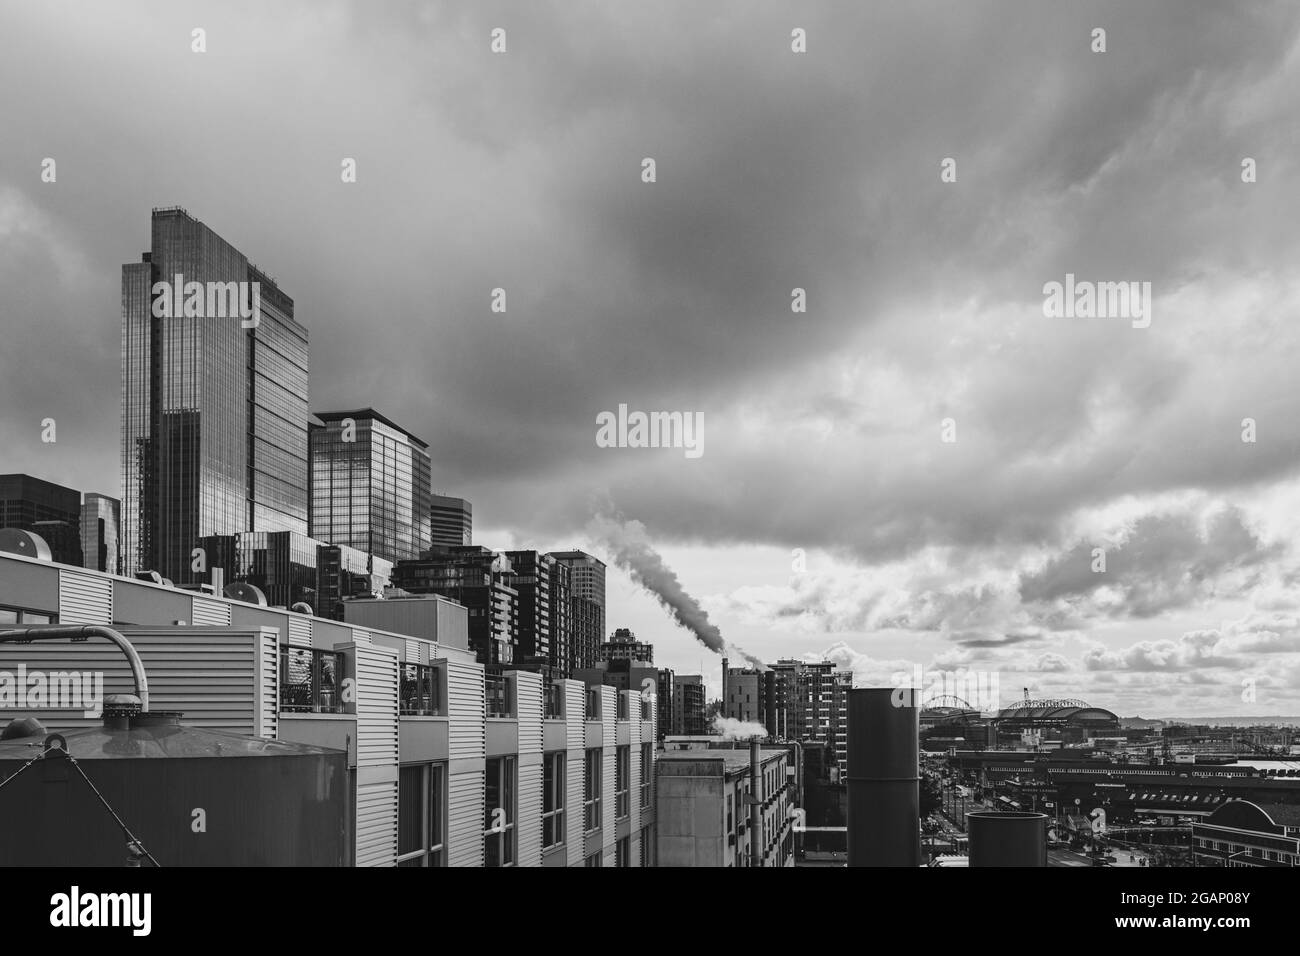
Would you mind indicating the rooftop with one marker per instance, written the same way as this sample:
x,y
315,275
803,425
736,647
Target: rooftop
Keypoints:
x,y
369,414
734,761
1283,814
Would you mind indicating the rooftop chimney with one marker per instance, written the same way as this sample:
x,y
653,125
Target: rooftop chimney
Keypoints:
x,y
883,779
1004,838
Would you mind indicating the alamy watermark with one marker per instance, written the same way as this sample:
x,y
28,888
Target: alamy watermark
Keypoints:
x,y
52,690
211,300
979,689
651,430
1098,300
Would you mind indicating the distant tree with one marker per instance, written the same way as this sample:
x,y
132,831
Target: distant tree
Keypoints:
x,y
931,795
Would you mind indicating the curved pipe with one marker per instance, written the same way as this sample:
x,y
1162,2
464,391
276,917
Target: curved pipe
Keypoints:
x,y
58,632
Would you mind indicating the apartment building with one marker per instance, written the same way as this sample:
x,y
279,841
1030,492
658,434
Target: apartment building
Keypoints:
x,y
703,805
448,766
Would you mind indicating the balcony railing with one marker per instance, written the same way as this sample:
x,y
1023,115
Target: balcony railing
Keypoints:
x,y
497,691
554,701
419,690
310,680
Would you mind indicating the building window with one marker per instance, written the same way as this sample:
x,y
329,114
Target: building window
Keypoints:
x,y
553,800
647,768
497,691
421,815
622,773
17,615
593,860
554,701
419,690
647,847
499,813
310,680
591,791
623,852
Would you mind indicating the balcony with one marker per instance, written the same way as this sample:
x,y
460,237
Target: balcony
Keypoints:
x,y
554,702
419,691
310,680
497,692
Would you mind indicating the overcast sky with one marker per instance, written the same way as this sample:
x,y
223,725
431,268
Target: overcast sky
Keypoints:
x,y
775,170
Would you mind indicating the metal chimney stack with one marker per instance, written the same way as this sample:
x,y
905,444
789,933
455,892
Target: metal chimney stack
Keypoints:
x,y
1003,838
883,777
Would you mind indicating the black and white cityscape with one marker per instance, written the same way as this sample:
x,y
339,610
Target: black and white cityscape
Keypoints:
x,y
574,434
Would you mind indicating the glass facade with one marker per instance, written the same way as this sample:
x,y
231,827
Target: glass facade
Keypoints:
x,y
290,567
587,584
532,578
44,508
100,519
370,492
480,579
214,415
452,522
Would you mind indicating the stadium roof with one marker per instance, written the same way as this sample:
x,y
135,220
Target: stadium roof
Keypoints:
x,y
1056,711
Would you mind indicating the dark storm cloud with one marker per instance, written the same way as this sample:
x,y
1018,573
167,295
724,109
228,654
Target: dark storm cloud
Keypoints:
x,y
1165,562
774,171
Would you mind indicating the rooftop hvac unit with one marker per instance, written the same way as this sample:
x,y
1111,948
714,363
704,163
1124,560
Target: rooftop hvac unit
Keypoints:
x,y
25,543
243,591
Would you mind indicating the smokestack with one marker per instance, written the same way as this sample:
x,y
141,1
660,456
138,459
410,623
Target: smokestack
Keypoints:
x,y
884,779
755,807
1002,838
723,712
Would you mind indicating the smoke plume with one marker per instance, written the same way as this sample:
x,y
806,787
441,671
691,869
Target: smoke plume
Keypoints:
x,y
625,541
732,729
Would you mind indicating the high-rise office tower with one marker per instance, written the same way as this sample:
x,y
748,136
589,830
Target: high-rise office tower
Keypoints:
x,y
369,484
688,705
452,522
588,575
480,579
44,508
100,519
586,619
214,399
561,620
532,577
666,696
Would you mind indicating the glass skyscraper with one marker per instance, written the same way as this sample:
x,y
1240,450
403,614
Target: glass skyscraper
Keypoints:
x,y
369,484
100,519
44,508
452,522
214,414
